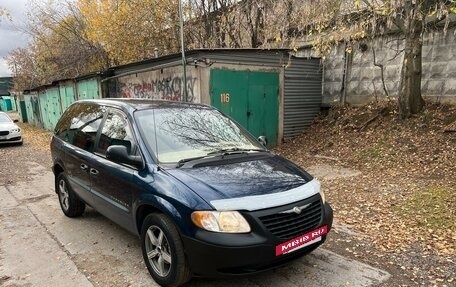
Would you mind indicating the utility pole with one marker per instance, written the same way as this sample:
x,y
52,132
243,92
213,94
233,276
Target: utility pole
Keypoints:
x,y
184,70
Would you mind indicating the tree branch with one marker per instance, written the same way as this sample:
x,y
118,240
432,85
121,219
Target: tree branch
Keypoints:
x,y
381,73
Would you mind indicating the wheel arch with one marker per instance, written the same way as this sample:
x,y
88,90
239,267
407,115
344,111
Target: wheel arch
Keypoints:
x,y
158,206
57,168
142,212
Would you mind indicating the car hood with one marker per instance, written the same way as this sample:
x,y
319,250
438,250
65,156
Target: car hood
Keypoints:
x,y
7,126
240,177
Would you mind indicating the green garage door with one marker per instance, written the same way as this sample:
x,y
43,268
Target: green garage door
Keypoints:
x,y
53,106
251,98
88,89
66,95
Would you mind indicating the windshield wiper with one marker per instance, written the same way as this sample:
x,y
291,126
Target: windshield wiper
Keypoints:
x,y
184,160
220,152
234,150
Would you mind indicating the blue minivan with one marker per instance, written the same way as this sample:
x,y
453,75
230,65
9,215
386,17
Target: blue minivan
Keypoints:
x,y
205,197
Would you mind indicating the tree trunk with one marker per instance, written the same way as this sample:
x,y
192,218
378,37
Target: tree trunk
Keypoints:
x,y
410,99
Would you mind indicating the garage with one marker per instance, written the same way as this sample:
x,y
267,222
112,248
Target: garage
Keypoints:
x,y
271,93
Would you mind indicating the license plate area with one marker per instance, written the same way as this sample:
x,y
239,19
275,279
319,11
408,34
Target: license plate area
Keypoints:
x,y
301,241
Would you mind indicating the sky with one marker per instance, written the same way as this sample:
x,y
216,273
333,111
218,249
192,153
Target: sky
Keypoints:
x,y
10,36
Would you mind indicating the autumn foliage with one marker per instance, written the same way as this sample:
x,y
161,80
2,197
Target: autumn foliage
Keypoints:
x,y
74,37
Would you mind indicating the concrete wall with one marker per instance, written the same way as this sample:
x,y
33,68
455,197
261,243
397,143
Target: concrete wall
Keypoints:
x,y
364,82
162,84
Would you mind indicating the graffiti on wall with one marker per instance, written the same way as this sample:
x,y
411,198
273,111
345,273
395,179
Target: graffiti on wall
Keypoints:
x,y
167,88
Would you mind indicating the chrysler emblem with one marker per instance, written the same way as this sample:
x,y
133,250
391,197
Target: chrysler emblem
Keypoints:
x,y
296,209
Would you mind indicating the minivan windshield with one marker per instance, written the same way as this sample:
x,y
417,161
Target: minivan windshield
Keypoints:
x,y
182,133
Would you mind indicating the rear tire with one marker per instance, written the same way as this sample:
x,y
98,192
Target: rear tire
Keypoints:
x,y
70,204
163,251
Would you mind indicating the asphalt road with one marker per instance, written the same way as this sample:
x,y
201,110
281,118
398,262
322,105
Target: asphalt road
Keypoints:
x,y
39,246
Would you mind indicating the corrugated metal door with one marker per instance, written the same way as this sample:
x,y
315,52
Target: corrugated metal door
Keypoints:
x,y
303,95
251,98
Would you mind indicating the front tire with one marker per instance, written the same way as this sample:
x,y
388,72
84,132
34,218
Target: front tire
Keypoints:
x,y
163,251
70,204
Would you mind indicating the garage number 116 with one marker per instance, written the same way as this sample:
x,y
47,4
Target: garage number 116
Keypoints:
x,y
224,98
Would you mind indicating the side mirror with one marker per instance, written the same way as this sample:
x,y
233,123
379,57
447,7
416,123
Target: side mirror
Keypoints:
x,y
15,120
263,140
119,154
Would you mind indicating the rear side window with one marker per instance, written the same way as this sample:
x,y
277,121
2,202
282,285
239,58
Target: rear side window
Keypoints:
x,y
79,125
116,131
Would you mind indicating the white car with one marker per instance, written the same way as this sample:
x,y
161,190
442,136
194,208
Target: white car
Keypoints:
x,y
9,131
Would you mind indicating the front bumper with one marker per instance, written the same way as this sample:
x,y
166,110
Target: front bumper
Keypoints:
x,y
11,138
213,254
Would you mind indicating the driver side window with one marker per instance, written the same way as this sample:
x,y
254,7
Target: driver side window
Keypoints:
x,y
116,131
79,125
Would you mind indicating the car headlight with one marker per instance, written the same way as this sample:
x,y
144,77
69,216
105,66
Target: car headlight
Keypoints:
x,y
323,198
16,130
322,194
221,221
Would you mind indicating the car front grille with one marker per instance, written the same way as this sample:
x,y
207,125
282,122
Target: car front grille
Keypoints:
x,y
289,225
4,133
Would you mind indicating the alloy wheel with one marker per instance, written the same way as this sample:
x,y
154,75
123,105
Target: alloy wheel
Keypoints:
x,y
158,251
64,196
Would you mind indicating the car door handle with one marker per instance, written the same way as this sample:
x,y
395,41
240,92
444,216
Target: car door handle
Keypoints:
x,y
93,171
84,166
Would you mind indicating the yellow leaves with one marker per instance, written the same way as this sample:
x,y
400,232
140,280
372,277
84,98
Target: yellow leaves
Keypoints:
x,y
130,30
453,10
4,13
357,3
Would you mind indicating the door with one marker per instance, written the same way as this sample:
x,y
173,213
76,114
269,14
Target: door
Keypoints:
x,y
66,96
54,111
44,110
88,89
229,93
262,106
84,121
23,110
251,98
112,183
9,105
